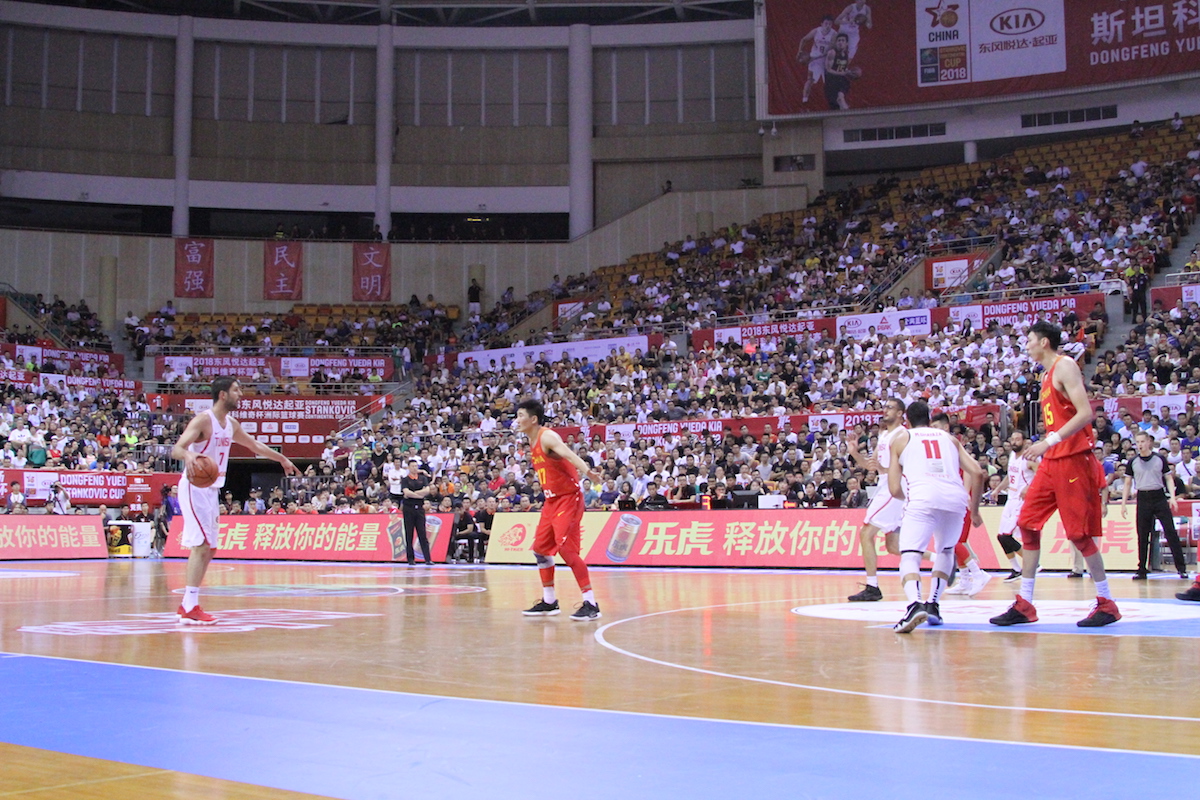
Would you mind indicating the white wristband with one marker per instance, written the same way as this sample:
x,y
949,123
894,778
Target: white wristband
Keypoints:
x,y
1053,438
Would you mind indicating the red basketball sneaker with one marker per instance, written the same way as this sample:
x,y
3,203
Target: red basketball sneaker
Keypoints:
x,y
1021,612
196,616
1105,613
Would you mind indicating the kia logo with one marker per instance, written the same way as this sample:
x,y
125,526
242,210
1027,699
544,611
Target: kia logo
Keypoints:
x,y
1017,21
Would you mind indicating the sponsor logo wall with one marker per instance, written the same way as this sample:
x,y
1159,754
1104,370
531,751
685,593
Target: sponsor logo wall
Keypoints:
x,y
948,272
1169,295
76,359
591,349
298,425
287,367
89,489
902,53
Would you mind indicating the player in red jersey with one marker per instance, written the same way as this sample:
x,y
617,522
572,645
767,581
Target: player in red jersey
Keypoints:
x,y
558,529
1066,480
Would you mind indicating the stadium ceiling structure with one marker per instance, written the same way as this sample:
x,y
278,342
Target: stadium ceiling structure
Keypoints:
x,y
441,13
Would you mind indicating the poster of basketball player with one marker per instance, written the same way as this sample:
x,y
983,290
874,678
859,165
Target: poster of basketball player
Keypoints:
x,y
906,52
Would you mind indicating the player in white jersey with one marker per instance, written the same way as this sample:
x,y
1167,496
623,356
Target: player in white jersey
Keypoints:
x,y
885,512
210,433
1016,483
925,473
851,21
812,50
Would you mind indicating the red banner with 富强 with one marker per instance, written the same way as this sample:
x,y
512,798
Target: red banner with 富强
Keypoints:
x,y
283,270
194,268
372,272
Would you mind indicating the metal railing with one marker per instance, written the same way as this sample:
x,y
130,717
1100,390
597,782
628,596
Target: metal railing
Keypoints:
x,y
1183,278
1031,292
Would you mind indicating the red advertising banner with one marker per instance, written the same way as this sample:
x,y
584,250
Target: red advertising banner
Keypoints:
x,y
283,270
948,272
372,272
752,334
1011,312
64,359
194,268
89,489
280,367
1168,296
24,536
787,538
850,55
297,425
317,537
974,416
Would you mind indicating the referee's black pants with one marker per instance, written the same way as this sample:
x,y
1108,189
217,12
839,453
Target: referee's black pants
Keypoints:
x,y
414,520
1153,505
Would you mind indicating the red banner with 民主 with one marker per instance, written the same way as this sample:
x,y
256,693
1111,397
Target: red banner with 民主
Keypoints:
x,y
372,272
283,270
857,54
23,536
194,268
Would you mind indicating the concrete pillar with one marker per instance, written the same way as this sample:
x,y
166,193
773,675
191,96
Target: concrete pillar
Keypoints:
x,y
579,129
107,306
185,52
970,152
385,126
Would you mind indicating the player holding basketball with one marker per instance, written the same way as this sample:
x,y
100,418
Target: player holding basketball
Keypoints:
x,y
884,512
812,50
210,433
851,20
925,473
558,532
1066,480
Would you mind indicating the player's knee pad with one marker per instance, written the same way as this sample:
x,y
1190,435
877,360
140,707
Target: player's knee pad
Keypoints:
x,y
910,562
543,562
1008,543
943,562
1086,544
1031,539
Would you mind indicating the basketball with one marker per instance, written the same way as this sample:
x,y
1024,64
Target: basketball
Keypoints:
x,y
203,473
861,19
854,72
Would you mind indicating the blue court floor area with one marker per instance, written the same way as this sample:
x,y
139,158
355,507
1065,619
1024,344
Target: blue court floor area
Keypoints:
x,y
362,744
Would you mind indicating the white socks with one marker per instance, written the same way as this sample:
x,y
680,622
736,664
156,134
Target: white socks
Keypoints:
x,y
589,597
548,594
191,597
1102,589
1027,589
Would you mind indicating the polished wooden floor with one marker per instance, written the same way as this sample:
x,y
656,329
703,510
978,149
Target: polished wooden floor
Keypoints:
x,y
720,645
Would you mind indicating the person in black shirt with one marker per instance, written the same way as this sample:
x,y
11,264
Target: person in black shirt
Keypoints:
x,y
720,497
1154,480
415,488
653,501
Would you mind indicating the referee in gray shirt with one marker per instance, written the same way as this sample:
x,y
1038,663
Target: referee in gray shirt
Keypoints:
x,y
1154,480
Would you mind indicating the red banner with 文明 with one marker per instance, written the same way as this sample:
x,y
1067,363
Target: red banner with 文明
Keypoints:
x,y
194,270
283,270
372,272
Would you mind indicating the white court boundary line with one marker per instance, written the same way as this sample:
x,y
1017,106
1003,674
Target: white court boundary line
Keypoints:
x,y
600,637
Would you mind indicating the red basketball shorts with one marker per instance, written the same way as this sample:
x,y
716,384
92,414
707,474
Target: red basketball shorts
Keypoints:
x,y
558,528
1067,485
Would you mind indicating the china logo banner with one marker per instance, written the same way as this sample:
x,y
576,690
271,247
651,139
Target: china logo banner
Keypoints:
x,y
372,273
194,268
283,270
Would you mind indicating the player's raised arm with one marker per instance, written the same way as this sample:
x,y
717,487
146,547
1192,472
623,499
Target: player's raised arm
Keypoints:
x,y
259,449
198,430
895,485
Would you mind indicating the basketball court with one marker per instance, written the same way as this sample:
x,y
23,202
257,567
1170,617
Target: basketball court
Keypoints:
x,y
372,681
